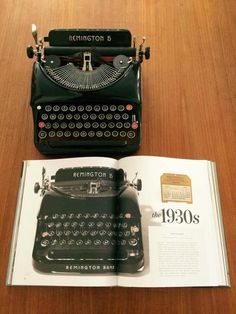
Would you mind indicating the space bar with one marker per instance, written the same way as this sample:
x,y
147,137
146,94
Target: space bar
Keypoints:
x,y
86,143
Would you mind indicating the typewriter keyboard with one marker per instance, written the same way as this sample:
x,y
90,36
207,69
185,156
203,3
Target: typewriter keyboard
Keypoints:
x,y
66,234
117,123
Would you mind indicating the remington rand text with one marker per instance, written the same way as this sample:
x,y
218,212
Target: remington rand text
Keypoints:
x,y
92,174
89,38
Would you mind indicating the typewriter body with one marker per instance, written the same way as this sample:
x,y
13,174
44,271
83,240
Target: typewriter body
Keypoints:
x,y
89,222
86,91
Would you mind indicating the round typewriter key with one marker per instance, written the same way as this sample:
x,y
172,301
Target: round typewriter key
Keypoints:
x,y
128,215
76,116
93,116
111,125
62,242
44,243
69,116
134,125
122,134
61,116
41,124
97,108
127,125
79,242
48,108
66,224
42,134
59,233
99,133
101,116
71,125
97,242
72,108
87,125
67,233
85,116
74,224
105,108
133,242
44,116
131,134
113,108
75,233
71,242
48,125
51,134
126,233
80,108
55,216
117,116
99,224
88,108
121,108
123,242
58,225
64,108
106,242
87,242
93,233
79,125
102,232
54,242
91,133
115,133
109,116
95,125
39,107
129,107
59,134
103,125
107,224
125,116
81,223
63,216
67,133
119,125
76,134
53,116
56,108
107,133
63,125
83,134
55,125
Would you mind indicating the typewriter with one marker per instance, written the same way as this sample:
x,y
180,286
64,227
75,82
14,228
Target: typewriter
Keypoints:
x,y
89,222
86,91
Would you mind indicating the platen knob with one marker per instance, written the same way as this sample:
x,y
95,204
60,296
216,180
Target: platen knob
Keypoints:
x,y
30,52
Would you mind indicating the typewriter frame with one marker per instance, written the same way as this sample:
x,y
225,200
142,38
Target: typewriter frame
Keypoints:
x,y
124,88
115,199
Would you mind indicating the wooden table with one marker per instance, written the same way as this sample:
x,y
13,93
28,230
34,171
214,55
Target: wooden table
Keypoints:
x,y
189,111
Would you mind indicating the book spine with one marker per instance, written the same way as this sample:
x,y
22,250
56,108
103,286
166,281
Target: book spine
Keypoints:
x,y
16,225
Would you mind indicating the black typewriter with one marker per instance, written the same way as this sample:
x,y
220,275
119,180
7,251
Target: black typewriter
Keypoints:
x,y
86,95
89,222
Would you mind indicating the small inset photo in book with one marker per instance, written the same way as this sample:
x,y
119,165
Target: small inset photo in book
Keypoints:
x,y
176,188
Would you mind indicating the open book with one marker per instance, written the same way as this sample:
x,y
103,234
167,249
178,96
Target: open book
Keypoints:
x,y
141,221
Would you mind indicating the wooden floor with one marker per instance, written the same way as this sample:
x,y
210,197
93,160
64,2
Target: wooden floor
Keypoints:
x,y
189,111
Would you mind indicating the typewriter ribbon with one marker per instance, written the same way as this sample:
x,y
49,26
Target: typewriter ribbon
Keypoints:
x,y
86,91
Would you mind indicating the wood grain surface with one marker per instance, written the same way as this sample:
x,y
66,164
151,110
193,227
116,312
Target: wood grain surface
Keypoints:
x,y
189,111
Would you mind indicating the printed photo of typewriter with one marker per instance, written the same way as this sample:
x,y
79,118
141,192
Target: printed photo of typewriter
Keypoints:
x,y
86,91
89,222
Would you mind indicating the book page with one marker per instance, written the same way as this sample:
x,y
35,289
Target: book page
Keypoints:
x,y
24,273
180,238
